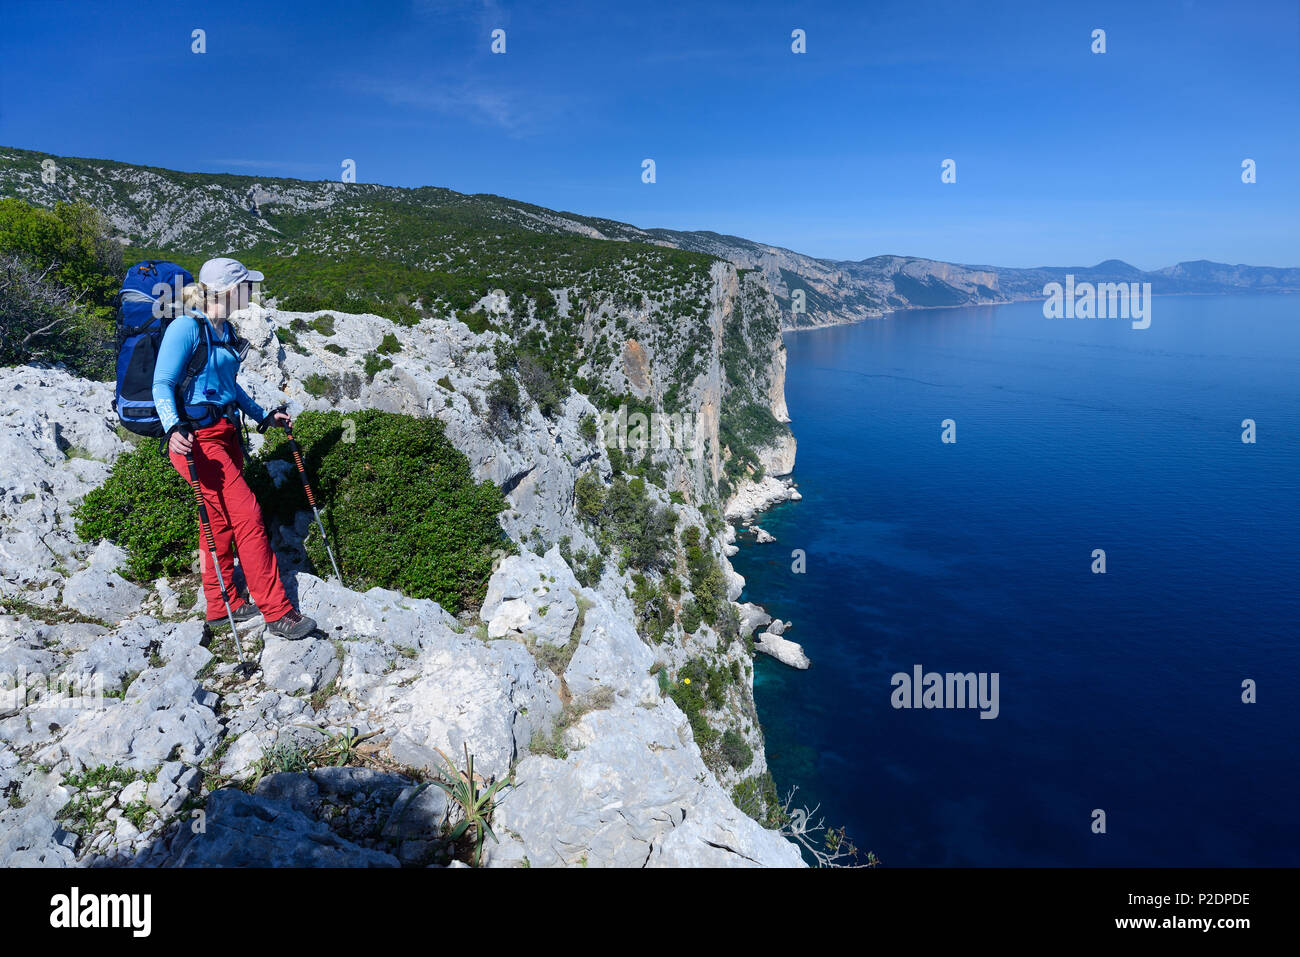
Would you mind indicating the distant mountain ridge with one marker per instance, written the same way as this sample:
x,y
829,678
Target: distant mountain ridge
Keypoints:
x,y
203,213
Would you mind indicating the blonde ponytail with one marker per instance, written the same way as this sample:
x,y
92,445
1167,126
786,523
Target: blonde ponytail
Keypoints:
x,y
194,297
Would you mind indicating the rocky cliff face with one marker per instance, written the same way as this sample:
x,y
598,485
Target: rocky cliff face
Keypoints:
x,y
557,678
606,765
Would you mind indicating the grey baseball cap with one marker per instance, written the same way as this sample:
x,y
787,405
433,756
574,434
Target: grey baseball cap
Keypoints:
x,y
224,273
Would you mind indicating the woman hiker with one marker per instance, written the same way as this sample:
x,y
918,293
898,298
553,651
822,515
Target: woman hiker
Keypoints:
x,y
213,402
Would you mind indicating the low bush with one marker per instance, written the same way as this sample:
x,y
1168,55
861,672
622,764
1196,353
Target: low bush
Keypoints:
x,y
628,520
691,692
708,583
478,322
654,614
317,385
589,495
503,403
375,364
735,750
148,509
588,566
540,385
401,505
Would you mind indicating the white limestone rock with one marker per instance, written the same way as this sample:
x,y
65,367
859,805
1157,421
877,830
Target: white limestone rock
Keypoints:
x,y
534,595
630,782
752,617
783,650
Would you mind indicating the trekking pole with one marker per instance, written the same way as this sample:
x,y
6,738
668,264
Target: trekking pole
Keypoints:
x,y
311,498
206,528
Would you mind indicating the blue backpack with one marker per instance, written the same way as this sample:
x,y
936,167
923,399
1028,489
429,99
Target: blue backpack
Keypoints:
x,y
150,299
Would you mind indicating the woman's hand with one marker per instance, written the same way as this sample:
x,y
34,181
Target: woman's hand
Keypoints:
x,y
180,443
276,418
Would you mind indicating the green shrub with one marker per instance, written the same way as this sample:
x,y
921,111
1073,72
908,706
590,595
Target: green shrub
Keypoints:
x,y
735,750
375,364
445,382
708,583
588,567
758,797
691,617
402,508
628,520
323,324
689,692
589,495
61,270
503,403
541,385
654,614
148,509
336,349
478,322
588,428
317,385
388,345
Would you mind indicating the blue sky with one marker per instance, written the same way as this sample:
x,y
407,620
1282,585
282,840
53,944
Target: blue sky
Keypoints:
x,y
1064,157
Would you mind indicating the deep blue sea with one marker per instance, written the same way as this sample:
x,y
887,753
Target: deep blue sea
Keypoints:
x,y
1119,691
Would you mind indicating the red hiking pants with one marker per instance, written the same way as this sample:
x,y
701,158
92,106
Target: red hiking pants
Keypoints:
x,y
236,522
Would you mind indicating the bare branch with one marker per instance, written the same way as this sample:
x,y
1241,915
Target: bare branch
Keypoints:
x,y
829,847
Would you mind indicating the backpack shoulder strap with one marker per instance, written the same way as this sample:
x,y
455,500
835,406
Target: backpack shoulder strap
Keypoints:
x,y
196,363
202,352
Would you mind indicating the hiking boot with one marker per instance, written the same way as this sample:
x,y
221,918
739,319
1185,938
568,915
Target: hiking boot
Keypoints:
x,y
292,626
245,612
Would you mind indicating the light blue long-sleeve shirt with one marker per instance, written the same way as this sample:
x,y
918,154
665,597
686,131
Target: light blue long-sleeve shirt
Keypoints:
x,y
215,385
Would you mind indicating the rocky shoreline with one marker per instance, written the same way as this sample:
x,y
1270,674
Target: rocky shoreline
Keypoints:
x,y
743,509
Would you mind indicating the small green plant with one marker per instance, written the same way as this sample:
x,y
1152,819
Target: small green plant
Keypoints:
x,y
317,385
589,495
388,345
336,349
476,803
478,322
136,812
339,747
279,758
503,403
735,750
375,364
323,324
